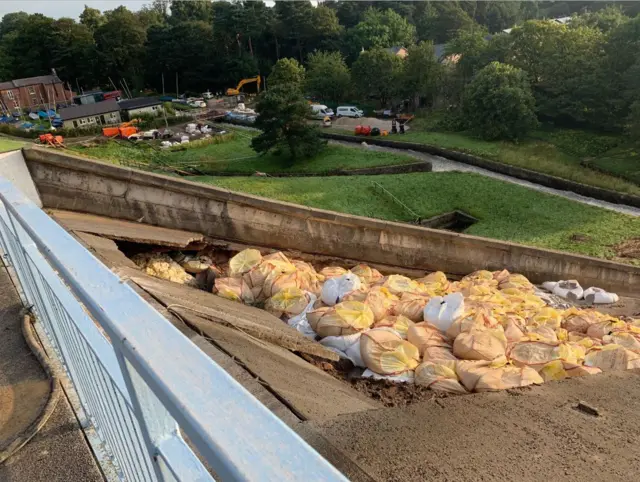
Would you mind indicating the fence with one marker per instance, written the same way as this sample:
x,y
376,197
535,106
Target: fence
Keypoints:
x,y
140,381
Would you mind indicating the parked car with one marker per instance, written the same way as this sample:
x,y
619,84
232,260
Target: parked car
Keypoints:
x,y
207,95
319,111
349,111
198,103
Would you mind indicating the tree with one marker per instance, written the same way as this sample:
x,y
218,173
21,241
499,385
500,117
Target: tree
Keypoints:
x,y
422,73
376,73
328,76
282,118
190,11
91,18
439,21
381,29
606,20
498,103
73,52
287,72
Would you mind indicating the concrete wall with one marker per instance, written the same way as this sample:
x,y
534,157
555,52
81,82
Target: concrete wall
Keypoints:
x,y
14,169
152,109
73,183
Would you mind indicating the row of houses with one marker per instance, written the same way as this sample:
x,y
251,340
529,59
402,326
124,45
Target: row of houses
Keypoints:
x,y
34,93
108,112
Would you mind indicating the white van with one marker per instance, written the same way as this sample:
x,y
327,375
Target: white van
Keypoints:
x,y
319,111
349,111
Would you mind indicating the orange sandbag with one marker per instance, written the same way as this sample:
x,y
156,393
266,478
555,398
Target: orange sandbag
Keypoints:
x,y
612,357
439,376
399,323
475,321
235,289
606,327
110,131
289,302
626,339
358,130
345,318
482,376
423,335
480,345
366,130
367,274
537,354
381,301
386,353
332,272
411,305
577,321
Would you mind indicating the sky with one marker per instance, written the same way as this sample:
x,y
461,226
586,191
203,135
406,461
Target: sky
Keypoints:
x,y
65,8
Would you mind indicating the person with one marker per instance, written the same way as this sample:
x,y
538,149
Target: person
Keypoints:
x,y
401,127
394,127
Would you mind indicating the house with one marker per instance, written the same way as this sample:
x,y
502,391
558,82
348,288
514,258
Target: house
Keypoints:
x,y
141,105
33,93
397,51
89,115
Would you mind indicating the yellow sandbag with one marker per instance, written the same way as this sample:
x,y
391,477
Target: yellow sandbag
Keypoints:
x,y
410,305
244,261
439,376
386,353
433,353
562,334
578,321
398,284
483,376
583,340
612,357
235,289
581,371
289,302
277,281
342,319
602,328
423,335
435,277
486,344
381,301
623,338
546,316
501,276
162,266
544,332
537,354
481,275
398,323
472,322
332,272
270,267
554,370
367,274
513,331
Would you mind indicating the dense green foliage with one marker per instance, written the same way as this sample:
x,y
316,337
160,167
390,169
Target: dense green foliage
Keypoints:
x,y
283,122
288,73
328,76
498,103
505,211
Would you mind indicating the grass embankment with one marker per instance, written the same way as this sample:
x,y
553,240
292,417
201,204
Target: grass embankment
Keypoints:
x,y
234,155
506,211
557,152
623,161
10,145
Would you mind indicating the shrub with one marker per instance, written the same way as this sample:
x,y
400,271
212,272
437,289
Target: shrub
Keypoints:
x,y
498,103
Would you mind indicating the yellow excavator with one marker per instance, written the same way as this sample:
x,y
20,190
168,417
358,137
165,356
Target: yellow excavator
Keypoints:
x,y
243,82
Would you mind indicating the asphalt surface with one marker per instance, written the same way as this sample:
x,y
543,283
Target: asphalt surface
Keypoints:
x,y
440,164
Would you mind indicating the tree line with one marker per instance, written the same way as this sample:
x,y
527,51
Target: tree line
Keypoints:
x,y
584,72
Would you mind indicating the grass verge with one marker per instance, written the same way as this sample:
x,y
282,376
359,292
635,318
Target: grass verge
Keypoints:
x,y
10,145
505,211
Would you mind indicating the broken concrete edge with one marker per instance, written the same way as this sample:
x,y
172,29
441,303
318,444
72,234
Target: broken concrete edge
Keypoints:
x,y
423,166
499,167
75,183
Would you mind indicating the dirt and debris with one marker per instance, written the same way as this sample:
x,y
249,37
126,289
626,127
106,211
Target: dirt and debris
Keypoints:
x,y
580,238
628,249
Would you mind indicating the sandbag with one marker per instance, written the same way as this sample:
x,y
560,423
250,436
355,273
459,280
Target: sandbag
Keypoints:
x,y
346,346
235,289
410,305
435,277
612,357
480,345
332,272
513,331
477,321
423,335
162,266
439,376
574,320
433,353
334,289
483,376
601,328
300,321
546,316
596,296
441,312
400,324
277,281
628,340
193,264
244,261
342,319
367,274
289,302
569,289
537,354
516,281
559,370
398,284
543,332
381,301
386,353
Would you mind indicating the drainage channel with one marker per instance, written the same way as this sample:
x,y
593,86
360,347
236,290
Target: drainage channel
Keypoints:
x,y
440,164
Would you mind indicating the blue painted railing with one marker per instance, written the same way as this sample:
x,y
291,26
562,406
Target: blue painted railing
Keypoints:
x,y
141,382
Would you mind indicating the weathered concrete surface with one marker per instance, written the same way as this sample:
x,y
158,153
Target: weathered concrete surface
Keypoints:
x,y
124,230
73,183
105,249
14,169
525,435
59,451
184,300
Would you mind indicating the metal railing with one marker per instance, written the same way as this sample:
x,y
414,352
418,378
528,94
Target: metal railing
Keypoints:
x,y
140,381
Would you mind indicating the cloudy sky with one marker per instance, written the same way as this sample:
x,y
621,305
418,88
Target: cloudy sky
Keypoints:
x,y
65,8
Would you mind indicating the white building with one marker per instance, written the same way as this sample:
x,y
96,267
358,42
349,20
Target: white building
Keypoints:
x,y
141,105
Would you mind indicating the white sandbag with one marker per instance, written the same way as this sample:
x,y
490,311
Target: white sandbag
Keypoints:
x,y
550,285
569,289
334,289
595,295
441,312
346,346
300,322
406,377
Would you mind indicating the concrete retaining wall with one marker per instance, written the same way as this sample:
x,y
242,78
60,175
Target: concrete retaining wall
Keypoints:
x,y
73,183
506,169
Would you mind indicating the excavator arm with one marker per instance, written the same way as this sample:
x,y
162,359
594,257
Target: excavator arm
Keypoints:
x,y
243,82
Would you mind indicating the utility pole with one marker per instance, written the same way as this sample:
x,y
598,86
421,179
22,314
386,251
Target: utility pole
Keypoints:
x,y
162,83
177,91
